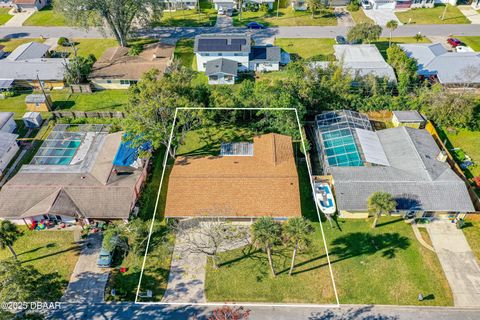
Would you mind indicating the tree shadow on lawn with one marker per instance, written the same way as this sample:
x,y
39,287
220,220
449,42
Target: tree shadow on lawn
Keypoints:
x,y
76,249
48,246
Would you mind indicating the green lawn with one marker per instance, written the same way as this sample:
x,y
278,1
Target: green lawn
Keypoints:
x,y
317,49
473,42
360,17
287,17
11,44
49,252
433,16
89,46
184,53
469,143
4,16
189,18
46,17
385,265
382,43
472,233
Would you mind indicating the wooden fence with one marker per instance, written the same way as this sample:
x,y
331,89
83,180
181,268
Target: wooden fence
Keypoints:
x,y
88,114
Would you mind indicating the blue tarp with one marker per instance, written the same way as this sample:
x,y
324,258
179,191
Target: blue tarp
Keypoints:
x,y
127,154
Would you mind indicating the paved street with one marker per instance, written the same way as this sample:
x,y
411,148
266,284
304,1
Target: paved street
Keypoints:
x,y
345,312
458,262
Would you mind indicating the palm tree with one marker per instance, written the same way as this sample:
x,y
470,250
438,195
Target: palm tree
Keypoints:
x,y
418,37
266,232
297,231
380,203
9,233
392,25
312,5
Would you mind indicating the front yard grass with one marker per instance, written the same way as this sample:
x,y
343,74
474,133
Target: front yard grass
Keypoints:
x,y
287,17
472,41
189,18
11,44
315,49
46,17
382,43
385,265
89,46
359,16
47,251
4,16
433,15
472,233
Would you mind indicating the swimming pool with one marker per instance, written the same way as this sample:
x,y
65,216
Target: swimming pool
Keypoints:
x,y
58,150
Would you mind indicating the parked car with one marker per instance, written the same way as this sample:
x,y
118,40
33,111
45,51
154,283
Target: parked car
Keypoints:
x,y
454,42
221,11
229,12
340,40
105,258
366,5
255,25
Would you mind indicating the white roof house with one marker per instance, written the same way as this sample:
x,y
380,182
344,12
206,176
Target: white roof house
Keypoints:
x,y
29,50
364,59
451,68
7,124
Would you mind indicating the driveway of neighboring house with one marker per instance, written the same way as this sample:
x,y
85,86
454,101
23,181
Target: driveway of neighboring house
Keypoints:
x,y
458,262
19,18
223,21
382,16
344,19
88,281
470,13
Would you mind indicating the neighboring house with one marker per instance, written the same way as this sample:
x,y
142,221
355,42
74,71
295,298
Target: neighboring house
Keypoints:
x,y
7,124
38,102
8,149
363,60
409,118
268,3
172,5
299,5
238,49
79,174
28,66
29,4
246,181
116,69
422,4
476,4
221,71
402,161
224,4
454,69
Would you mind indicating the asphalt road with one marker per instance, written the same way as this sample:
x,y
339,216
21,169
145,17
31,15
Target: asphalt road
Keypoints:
x,y
279,32
346,312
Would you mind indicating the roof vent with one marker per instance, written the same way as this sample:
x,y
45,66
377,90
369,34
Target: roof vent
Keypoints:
x,y
442,156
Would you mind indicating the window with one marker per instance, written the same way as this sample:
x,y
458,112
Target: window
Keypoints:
x,y
207,54
240,64
213,77
228,78
237,54
109,81
124,82
220,54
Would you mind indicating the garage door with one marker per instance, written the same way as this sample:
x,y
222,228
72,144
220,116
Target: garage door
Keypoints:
x,y
385,5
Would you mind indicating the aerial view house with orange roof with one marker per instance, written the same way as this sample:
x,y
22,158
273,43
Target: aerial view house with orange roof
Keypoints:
x,y
246,181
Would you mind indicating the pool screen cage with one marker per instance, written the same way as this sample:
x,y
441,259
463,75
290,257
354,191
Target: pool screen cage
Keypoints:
x,y
337,137
62,143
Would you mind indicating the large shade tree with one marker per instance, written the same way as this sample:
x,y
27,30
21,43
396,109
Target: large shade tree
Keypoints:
x,y
364,33
9,233
380,203
119,16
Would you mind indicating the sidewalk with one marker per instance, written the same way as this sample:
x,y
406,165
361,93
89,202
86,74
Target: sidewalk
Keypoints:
x,y
458,262
19,18
471,14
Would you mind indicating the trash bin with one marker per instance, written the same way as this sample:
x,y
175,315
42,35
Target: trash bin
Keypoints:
x,y
460,223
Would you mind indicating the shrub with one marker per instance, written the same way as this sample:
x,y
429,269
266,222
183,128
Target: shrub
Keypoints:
x,y
353,6
62,41
8,94
135,50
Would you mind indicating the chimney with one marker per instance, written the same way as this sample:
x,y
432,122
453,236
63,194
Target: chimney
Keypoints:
x,y
442,156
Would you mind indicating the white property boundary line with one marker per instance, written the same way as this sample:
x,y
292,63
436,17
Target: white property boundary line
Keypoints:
x,y
238,303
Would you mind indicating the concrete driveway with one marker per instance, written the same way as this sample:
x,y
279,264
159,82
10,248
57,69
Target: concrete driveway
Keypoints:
x,y
381,16
87,283
458,262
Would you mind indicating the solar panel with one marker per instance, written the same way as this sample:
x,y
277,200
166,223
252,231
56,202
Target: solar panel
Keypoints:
x,y
221,44
237,149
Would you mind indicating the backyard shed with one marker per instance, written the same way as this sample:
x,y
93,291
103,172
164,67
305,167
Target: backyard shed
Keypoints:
x,y
38,102
32,119
409,118
7,124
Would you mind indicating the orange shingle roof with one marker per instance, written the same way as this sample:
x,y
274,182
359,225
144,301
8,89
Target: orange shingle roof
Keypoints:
x,y
265,184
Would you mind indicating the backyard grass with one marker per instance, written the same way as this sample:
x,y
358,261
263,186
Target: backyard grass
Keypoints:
x,y
382,43
433,15
316,49
46,17
472,233
473,42
360,17
287,17
184,53
11,44
385,265
469,143
89,46
106,100
49,252
189,18
4,16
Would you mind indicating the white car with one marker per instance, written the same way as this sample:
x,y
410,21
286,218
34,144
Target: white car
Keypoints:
x,y
463,49
221,11
366,5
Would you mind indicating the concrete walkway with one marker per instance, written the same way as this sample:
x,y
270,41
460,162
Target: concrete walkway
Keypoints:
x,y
471,14
420,239
52,42
88,281
458,262
382,16
19,18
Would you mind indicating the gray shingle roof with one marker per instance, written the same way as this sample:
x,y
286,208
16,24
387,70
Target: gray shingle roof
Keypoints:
x,y
449,67
415,177
4,117
265,53
364,59
221,65
408,116
45,68
35,98
29,50
6,140
236,42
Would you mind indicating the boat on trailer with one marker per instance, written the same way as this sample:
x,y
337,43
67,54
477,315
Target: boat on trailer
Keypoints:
x,y
324,198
